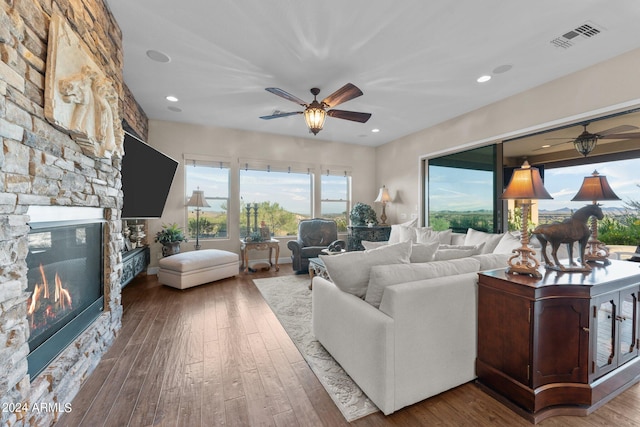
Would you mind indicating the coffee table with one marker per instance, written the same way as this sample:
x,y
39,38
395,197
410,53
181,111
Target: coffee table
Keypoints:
x,y
317,268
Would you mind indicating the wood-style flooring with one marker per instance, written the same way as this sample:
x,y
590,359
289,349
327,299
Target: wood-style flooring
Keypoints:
x,y
215,355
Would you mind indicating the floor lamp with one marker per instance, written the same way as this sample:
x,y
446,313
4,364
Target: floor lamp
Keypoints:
x,y
595,188
525,185
198,201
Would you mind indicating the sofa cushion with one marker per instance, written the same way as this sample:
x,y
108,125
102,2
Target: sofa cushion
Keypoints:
x,y
490,240
388,275
507,244
447,254
423,252
394,236
492,261
372,245
427,235
350,271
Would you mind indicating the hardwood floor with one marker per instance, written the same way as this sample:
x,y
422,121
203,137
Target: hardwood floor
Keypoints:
x,y
216,355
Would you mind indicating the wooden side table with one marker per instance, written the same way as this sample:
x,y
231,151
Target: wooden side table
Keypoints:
x,y
564,344
272,244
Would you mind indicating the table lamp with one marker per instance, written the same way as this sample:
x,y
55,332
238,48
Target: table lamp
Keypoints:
x,y
384,198
198,201
525,185
595,188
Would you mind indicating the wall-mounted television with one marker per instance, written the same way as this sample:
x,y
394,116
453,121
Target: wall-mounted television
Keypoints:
x,y
147,175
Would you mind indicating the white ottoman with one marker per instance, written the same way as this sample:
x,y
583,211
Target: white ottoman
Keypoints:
x,y
188,269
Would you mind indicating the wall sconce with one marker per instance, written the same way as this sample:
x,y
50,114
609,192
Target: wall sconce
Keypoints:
x,y
595,188
198,201
384,198
525,185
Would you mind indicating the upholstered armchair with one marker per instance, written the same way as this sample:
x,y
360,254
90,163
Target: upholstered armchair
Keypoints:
x,y
314,235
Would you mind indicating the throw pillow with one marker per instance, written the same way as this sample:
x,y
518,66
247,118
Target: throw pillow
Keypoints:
x,y
475,237
388,275
423,252
394,236
407,233
447,254
507,244
427,235
492,261
372,245
350,271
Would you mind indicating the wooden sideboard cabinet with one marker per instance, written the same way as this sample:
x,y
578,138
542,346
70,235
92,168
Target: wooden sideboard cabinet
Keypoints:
x,y
134,262
357,233
562,345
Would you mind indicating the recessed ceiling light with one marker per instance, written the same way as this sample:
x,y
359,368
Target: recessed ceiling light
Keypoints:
x,y
171,98
158,56
546,146
483,79
376,130
175,109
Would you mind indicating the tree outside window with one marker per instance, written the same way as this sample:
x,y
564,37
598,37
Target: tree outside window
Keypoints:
x,y
282,199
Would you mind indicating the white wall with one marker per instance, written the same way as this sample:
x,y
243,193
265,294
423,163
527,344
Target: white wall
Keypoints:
x,y
604,88
177,139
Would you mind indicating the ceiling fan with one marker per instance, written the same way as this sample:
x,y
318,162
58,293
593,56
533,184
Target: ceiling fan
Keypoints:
x,y
316,112
586,141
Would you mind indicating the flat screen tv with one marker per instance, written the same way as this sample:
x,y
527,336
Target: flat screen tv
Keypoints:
x,y
147,175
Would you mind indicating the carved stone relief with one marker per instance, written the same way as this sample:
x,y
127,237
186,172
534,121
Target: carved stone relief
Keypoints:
x,y
79,97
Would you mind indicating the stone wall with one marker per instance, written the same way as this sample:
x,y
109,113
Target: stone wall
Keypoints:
x,y
41,165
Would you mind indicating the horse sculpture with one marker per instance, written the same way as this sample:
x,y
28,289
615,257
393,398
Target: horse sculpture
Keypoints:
x,y
568,231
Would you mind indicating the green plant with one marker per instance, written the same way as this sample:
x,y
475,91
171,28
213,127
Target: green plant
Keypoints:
x,y
170,234
363,214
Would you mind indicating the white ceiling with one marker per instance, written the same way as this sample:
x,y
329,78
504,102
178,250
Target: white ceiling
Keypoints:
x,y
416,61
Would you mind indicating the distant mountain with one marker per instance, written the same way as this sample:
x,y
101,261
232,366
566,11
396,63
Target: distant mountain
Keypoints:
x,y
568,211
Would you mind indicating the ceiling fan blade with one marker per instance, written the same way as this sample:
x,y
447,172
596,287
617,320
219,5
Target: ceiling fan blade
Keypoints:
x,y
344,94
617,129
630,135
278,115
286,95
349,115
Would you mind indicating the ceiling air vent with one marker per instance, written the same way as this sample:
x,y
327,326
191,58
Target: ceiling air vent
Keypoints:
x,y
585,31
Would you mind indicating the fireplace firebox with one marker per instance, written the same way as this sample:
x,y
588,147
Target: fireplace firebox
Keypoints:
x,y
65,284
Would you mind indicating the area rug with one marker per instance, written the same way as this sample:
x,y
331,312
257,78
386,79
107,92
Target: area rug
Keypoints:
x,y
290,299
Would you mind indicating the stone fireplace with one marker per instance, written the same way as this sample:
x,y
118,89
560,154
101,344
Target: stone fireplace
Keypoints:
x,y
64,279
44,175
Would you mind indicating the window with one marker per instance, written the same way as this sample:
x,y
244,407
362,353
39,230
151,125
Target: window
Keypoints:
x,y
335,196
461,190
283,198
212,178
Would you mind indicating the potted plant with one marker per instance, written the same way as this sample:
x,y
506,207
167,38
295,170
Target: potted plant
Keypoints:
x,y
363,214
170,237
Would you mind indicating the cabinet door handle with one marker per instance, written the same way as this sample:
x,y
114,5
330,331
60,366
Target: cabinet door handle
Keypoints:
x,y
585,329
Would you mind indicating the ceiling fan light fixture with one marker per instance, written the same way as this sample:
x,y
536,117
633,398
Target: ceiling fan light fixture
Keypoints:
x,y
586,142
315,115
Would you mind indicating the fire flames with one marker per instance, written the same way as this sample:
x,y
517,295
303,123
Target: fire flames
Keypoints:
x,y
41,305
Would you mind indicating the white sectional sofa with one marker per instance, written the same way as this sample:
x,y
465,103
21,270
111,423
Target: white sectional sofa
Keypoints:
x,y
421,340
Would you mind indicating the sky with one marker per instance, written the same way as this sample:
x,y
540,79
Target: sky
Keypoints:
x,y
462,190
563,183
292,191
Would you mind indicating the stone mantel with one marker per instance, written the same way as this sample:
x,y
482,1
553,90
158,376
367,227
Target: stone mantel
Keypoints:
x,y
44,170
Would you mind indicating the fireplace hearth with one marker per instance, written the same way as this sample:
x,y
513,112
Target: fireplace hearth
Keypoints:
x,y
65,283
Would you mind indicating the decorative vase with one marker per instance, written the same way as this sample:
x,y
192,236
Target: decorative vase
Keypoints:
x,y
170,248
